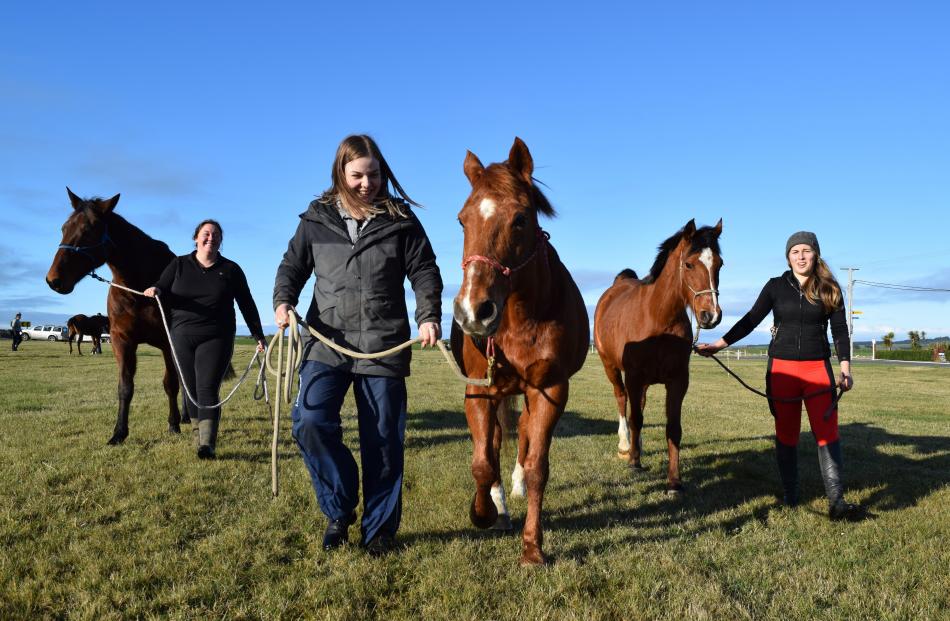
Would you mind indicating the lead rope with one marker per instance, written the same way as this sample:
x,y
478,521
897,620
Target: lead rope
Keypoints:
x,y
171,345
834,401
284,369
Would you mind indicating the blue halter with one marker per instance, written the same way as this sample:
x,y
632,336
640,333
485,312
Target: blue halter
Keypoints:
x,y
84,250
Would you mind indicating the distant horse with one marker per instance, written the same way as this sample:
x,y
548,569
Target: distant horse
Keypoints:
x,y
519,301
94,234
643,334
80,325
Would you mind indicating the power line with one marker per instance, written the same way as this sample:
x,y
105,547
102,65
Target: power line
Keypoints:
x,y
888,285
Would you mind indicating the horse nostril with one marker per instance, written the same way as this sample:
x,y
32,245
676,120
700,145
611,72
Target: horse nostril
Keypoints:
x,y
486,311
705,317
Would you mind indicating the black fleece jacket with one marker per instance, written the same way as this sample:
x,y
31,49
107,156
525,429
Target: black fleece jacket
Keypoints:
x,y
202,298
800,329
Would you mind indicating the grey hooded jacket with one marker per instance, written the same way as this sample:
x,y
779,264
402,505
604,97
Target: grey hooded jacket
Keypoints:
x,y
358,298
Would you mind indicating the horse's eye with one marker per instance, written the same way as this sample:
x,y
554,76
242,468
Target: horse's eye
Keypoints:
x,y
688,265
519,221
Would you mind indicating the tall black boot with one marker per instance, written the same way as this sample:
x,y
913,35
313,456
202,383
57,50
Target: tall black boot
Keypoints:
x,y
829,461
787,457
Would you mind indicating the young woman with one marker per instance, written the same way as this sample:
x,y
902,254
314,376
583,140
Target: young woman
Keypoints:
x,y
200,289
361,242
803,301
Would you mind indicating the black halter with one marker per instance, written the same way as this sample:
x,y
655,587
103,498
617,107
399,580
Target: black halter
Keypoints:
x,y
84,250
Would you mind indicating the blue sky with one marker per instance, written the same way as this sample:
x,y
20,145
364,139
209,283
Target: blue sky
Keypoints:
x,y
830,117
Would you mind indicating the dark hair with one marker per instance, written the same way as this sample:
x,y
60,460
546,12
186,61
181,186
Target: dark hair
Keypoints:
x,y
207,221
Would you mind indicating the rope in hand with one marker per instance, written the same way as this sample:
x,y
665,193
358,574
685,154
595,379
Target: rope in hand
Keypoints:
x,y
284,369
284,376
171,345
834,399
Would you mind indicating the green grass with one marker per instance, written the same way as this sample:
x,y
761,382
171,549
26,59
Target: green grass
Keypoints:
x,y
145,530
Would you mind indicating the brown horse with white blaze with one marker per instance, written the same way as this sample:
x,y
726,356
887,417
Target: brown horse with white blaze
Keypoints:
x,y
93,235
519,305
642,332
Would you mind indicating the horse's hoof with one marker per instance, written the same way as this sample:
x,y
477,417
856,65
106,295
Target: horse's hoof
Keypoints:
x,y
532,556
638,468
675,490
483,521
186,420
624,455
118,438
503,523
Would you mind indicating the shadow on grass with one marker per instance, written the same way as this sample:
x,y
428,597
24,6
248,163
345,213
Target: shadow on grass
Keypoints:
x,y
717,483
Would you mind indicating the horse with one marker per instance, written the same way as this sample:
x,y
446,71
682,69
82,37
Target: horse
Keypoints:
x,y
79,325
642,333
94,235
519,301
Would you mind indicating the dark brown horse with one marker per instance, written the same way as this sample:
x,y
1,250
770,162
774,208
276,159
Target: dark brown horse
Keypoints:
x,y
94,234
643,335
81,325
518,300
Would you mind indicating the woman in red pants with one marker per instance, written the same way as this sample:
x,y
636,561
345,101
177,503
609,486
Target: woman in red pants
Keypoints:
x,y
803,302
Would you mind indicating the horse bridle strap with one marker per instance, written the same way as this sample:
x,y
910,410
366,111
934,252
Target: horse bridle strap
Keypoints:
x,y
85,249
696,294
542,245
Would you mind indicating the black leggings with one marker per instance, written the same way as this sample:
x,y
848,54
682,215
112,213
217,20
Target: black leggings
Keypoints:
x,y
203,360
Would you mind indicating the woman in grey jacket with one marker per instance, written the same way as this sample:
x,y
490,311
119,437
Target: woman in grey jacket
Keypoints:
x,y
361,242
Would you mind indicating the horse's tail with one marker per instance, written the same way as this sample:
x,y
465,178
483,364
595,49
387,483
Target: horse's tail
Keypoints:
x,y
508,413
72,330
625,274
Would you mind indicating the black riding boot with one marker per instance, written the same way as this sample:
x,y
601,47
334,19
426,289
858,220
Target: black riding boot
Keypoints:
x,y
787,457
829,461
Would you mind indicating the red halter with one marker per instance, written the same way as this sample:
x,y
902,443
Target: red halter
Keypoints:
x,y
542,244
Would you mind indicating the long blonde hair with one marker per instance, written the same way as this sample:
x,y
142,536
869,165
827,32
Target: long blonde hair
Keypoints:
x,y
821,286
353,148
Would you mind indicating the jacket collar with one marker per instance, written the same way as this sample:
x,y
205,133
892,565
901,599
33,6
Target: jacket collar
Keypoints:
x,y
380,226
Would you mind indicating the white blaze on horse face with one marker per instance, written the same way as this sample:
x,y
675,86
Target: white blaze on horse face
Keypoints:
x,y
466,302
517,482
487,208
706,258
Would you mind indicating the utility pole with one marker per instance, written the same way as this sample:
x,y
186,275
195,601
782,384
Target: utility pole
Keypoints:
x,y
851,271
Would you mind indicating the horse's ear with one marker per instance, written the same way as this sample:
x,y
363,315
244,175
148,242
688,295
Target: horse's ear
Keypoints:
x,y
718,228
689,229
73,199
473,167
519,160
109,205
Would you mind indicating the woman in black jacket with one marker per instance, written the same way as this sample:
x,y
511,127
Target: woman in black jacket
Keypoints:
x,y
200,289
361,243
803,302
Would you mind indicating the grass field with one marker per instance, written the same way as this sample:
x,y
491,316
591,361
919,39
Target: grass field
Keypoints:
x,y
145,530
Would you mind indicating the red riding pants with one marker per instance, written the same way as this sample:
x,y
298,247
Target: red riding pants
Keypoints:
x,y
795,378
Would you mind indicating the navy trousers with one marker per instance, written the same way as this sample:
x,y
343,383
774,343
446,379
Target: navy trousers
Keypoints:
x,y
381,414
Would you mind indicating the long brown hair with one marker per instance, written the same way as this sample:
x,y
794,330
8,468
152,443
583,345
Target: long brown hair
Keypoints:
x,y
352,148
822,287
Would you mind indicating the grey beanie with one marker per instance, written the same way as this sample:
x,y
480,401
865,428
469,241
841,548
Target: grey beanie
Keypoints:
x,y
802,237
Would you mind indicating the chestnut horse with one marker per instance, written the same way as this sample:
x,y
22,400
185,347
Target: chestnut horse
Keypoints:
x,y
519,301
80,325
94,234
643,335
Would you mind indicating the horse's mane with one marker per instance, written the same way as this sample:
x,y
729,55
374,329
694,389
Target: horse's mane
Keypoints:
x,y
625,274
704,237
502,179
